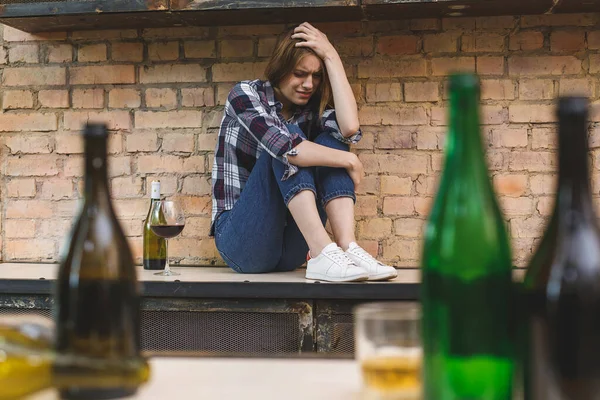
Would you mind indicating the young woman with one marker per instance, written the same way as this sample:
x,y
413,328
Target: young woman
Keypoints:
x,y
282,168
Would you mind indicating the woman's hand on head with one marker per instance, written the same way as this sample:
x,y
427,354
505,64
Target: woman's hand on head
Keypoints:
x,y
314,39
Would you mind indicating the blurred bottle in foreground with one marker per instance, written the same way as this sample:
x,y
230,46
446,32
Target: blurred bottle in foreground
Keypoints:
x,y
466,269
96,294
561,346
155,247
28,362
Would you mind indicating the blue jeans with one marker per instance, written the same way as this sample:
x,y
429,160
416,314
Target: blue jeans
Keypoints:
x,y
258,234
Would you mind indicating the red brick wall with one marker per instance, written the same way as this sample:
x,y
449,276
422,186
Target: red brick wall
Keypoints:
x,y
162,92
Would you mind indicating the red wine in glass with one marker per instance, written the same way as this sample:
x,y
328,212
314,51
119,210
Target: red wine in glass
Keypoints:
x,y
167,231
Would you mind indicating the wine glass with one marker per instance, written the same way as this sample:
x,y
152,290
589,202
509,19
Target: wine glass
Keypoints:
x,y
167,221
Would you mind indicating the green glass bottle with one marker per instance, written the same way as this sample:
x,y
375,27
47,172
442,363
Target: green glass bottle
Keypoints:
x,y
466,269
155,248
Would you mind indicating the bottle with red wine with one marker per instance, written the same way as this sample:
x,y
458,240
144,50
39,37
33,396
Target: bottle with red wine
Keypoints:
x,y
560,347
97,309
154,247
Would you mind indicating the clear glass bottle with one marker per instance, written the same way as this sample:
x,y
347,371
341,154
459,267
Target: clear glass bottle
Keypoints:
x,y
154,247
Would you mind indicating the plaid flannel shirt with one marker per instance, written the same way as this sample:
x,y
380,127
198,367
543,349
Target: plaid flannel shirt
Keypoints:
x,y
252,123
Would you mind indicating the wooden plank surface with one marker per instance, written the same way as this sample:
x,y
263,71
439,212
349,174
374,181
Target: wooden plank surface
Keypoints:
x,y
63,15
252,16
25,271
35,271
576,6
222,283
183,5
405,9
43,8
247,379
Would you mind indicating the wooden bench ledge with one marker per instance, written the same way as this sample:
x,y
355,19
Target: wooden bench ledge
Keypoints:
x,y
220,282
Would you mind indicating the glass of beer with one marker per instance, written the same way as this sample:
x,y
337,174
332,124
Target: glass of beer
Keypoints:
x,y
388,349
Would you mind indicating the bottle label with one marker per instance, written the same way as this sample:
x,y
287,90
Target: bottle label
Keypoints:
x,y
155,192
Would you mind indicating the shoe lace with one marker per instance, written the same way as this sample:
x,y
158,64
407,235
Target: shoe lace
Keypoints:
x,y
362,253
340,257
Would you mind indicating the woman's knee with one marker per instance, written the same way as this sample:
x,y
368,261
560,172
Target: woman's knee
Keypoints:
x,y
325,139
303,174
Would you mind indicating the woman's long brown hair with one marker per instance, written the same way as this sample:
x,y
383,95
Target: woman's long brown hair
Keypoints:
x,y
283,61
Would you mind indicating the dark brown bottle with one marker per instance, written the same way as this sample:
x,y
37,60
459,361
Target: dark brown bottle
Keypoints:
x,y
561,347
96,294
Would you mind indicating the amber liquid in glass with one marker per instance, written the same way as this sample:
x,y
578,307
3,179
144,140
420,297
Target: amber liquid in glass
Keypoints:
x,y
397,375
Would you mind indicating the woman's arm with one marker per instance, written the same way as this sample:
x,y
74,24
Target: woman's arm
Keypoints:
x,y
314,155
244,104
345,104
245,107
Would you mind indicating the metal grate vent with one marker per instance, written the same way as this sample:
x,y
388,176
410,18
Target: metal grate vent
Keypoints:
x,y
342,334
34,1
212,332
220,332
26,311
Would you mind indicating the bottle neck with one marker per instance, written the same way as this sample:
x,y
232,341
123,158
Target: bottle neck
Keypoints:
x,y
573,191
96,175
154,192
464,145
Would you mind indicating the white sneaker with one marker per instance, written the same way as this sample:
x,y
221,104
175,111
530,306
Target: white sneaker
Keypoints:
x,y
376,269
334,265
